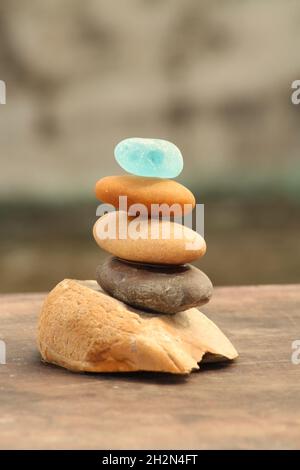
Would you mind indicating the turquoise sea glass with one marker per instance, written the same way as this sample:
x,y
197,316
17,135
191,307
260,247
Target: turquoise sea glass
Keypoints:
x,y
149,157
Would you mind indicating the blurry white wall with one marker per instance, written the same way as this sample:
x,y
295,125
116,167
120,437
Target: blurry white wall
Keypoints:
x,y
212,76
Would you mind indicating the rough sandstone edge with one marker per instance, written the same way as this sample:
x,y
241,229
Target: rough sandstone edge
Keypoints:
x,y
82,328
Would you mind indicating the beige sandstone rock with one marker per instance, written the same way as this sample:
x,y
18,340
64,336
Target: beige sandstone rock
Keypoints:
x,y
83,329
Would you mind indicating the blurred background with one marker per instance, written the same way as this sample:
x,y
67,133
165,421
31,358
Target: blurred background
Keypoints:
x,y
212,76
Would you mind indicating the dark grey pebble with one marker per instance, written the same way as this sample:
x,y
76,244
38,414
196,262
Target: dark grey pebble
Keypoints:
x,y
157,288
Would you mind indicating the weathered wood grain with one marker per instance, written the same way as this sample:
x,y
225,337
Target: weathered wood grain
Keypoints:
x,y
253,403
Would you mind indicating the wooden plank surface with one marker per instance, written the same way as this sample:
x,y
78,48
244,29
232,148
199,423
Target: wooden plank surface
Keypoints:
x,y
253,403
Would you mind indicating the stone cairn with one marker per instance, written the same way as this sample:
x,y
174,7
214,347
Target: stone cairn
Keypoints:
x,y
149,267
141,317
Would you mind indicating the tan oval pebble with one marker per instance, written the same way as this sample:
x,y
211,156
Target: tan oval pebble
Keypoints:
x,y
147,240
145,191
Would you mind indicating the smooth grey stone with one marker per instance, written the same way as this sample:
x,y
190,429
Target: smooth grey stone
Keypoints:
x,y
158,288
